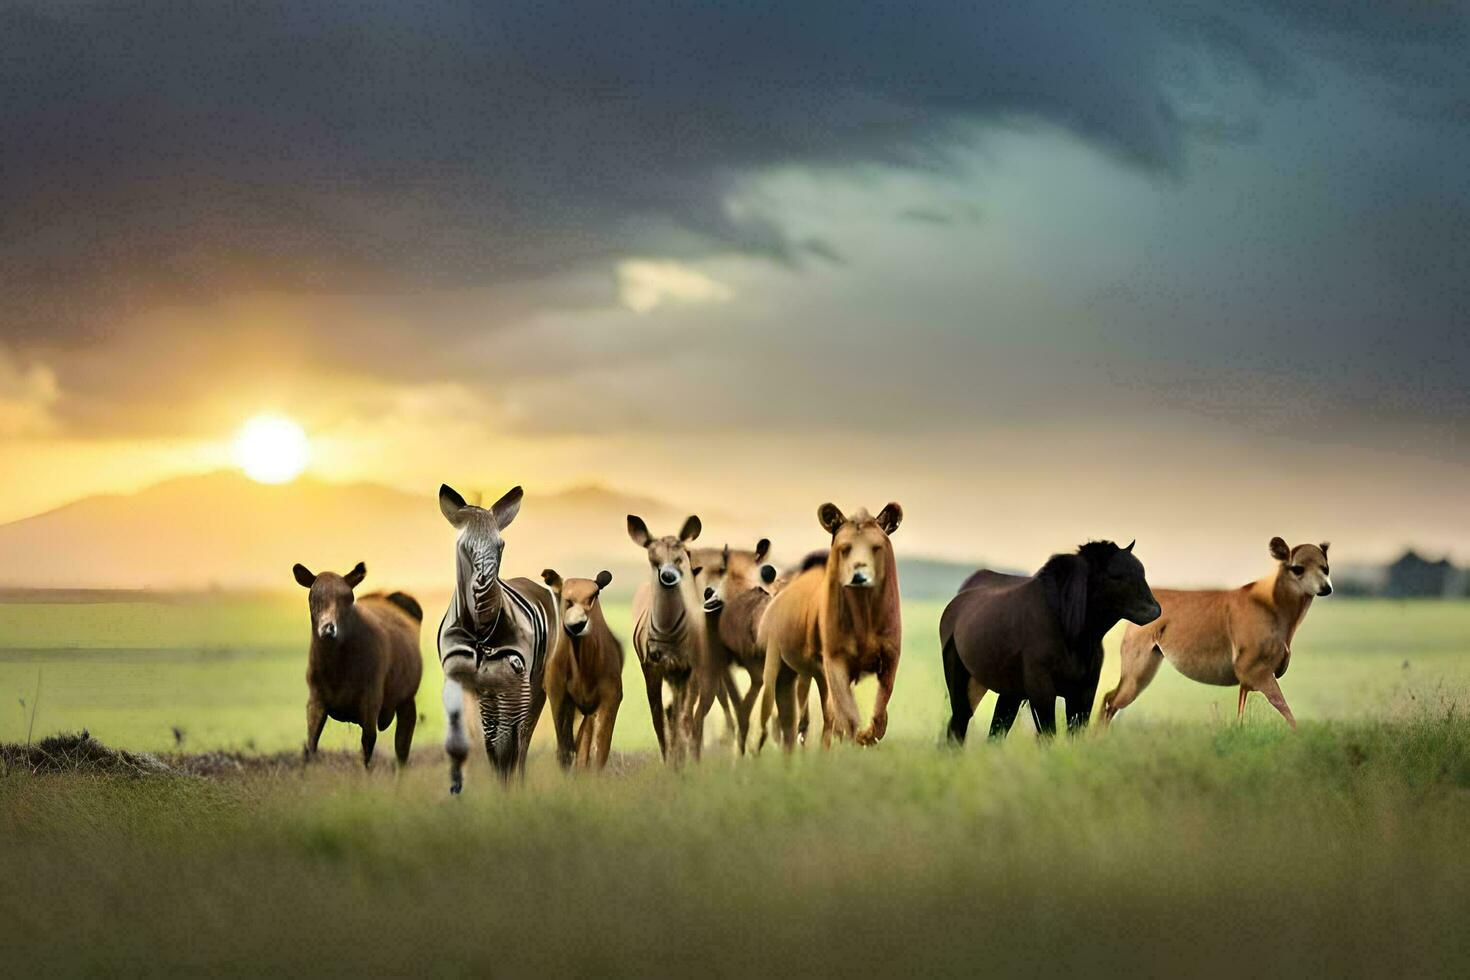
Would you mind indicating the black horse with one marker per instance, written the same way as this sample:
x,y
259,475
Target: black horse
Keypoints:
x,y
1039,637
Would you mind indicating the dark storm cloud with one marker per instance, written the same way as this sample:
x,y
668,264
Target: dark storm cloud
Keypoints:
x,y
153,154
161,151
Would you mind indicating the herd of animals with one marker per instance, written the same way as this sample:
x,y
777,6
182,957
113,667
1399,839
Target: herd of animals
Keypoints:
x,y
509,646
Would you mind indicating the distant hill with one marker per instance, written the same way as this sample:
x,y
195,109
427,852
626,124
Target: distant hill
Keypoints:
x,y
222,531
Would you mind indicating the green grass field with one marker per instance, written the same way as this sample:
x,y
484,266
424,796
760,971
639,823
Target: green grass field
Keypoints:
x,y
1179,842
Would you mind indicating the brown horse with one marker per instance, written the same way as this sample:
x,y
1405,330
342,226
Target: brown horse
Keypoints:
x,y
834,622
584,674
669,638
734,586
364,665
1228,636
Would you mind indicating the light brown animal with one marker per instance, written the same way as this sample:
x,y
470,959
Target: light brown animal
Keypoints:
x,y
1237,636
834,622
584,674
364,665
734,585
669,638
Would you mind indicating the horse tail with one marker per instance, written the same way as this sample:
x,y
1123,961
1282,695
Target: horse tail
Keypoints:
x,y
408,604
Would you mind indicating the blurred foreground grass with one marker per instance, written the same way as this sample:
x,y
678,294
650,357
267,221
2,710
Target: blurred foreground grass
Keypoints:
x,y
1159,849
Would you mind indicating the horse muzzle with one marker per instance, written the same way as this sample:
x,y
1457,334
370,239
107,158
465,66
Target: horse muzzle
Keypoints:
x,y
327,631
669,576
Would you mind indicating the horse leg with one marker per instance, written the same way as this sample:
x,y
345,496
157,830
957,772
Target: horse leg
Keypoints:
x,y
456,744
606,718
820,678
1267,685
786,711
843,705
1240,703
316,720
654,684
1140,659
406,719
746,707
804,706
584,742
369,716
562,718
878,727
1007,706
958,682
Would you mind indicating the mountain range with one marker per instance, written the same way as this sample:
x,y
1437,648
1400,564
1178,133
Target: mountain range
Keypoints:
x,y
222,531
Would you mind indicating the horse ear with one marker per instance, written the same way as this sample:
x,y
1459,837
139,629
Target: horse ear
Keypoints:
x,y
1279,550
305,577
890,517
451,504
690,530
549,576
830,517
354,578
1129,549
638,531
1324,546
603,580
768,574
696,570
762,548
506,508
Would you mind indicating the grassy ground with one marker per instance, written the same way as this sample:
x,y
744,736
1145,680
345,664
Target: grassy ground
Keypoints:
x,y
1178,842
231,673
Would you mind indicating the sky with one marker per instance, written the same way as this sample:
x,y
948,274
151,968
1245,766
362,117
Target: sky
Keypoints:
x,y
1196,273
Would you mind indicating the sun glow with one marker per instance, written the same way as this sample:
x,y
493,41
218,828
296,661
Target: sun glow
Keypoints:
x,y
272,449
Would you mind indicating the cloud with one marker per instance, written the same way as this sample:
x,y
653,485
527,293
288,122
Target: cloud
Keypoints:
x,y
644,285
158,153
27,394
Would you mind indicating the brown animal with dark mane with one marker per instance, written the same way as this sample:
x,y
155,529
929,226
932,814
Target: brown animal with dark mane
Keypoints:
x,y
364,665
1228,636
584,674
834,622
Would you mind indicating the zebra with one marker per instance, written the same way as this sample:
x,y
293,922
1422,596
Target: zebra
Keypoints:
x,y
492,641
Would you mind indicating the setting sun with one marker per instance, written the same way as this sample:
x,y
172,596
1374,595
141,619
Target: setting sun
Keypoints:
x,y
272,449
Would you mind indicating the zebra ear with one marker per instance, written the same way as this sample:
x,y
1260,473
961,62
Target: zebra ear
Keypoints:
x,y
506,508
451,505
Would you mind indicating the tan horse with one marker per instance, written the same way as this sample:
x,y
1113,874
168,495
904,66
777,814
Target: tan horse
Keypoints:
x,y
364,665
584,674
1236,636
734,587
834,622
669,638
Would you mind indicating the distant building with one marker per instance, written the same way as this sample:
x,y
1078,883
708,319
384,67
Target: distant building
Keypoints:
x,y
1416,577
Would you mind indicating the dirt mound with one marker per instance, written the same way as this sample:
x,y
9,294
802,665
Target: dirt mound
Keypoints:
x,y
78,752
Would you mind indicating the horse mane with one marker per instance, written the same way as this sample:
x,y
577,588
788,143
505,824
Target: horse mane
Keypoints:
x,y
1065,579
408,604
816,559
